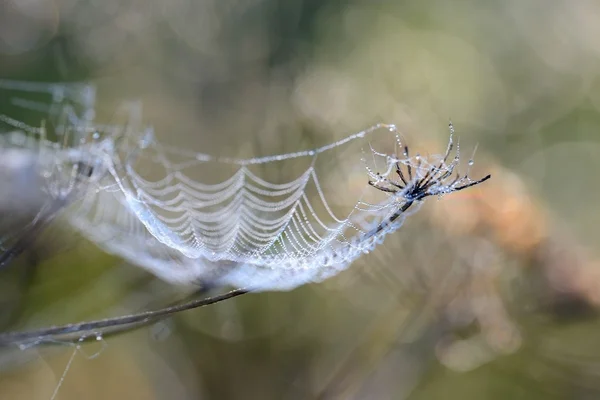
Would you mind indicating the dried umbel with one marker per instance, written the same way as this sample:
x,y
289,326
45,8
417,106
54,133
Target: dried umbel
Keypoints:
x,y
412,179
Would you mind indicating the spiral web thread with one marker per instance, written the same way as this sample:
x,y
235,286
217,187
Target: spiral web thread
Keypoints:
x,y
144,203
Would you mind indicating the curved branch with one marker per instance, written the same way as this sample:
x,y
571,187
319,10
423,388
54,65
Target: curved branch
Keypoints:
x,y
76,332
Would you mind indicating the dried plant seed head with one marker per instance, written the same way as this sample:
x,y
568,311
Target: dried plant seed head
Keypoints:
x,y
415,178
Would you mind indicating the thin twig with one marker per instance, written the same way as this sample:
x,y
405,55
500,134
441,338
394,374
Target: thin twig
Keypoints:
x,y
123,323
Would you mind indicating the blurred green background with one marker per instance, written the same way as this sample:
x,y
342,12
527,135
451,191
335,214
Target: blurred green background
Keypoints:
x,y
490,295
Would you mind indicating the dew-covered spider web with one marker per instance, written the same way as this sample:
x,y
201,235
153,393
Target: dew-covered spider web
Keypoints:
x,y
266,223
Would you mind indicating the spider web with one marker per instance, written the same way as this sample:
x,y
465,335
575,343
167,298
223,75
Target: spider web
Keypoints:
x,y
239,229
269,223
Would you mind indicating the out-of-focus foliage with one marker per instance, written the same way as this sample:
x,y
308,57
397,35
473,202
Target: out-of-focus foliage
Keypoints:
x,y
490,294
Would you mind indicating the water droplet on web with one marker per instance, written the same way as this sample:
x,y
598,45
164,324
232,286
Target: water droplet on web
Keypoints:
x,y
96,135
311,153
147,138
471,162
360,134
392,128
98,337
160,331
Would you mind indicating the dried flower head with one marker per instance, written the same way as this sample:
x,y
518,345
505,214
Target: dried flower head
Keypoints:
x,y
412,179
